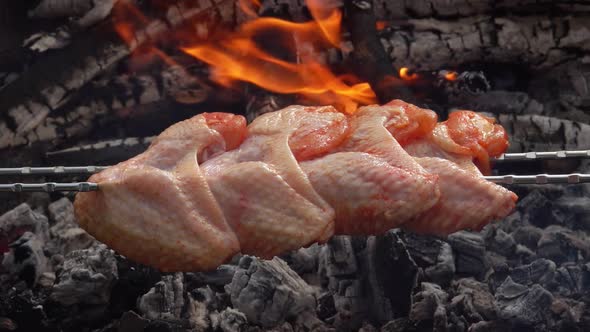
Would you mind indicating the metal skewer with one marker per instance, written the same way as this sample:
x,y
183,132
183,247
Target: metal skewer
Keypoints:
x,y
540,178
573,178
52,170
564,154
49,187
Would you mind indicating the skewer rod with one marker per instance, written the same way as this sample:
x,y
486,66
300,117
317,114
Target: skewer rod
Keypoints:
x,y
48,187
52,170
540,179
565,154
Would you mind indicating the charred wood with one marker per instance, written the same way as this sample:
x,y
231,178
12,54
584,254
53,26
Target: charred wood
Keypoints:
x,y
537,41
542,133
396,9
101,153
87,12
53,80
119,97
370,60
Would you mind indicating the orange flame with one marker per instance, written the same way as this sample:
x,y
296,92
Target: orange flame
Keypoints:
x,y
404,73
250,7
236,56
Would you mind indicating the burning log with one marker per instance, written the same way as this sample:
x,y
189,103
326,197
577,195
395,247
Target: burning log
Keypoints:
x,y
49,84
537,41
120,98
369,57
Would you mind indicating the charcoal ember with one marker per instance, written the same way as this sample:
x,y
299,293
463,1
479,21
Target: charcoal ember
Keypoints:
x,y
134,280
578,211
67,235
489,326
456,322
502,243
205,308
397,325
326,307
209,297
26,259
39,201
351,303
221,276
19,220
165,300
197,314
232,320
522,304
86,277
432,255
303,260
469,250
367,327
539,210
7,324
132,322
524,254
563,245
527,235
166,326
392,275
541,271
572,279
308,321
269,292
337,261
46,280
474,300
468,83
23,308
338,268
429,306
569,311
62,211
494,260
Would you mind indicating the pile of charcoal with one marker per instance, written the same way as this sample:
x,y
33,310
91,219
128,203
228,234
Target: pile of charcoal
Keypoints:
x,y
530,272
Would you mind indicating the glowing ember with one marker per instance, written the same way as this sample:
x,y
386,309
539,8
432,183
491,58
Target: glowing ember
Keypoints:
x,y
451,75
380,25
404,73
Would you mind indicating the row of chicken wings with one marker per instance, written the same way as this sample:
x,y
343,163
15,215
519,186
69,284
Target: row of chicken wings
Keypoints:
x,y
212,186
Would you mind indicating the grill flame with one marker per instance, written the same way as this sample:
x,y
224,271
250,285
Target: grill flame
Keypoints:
x,y
238,56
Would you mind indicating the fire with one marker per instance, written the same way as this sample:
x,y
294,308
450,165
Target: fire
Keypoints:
x,y
238,56
380,25
249,7
404,73
451,75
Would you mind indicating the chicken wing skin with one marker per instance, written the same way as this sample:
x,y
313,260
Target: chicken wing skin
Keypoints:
x,y
466,201
368,194
266,196
157,208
